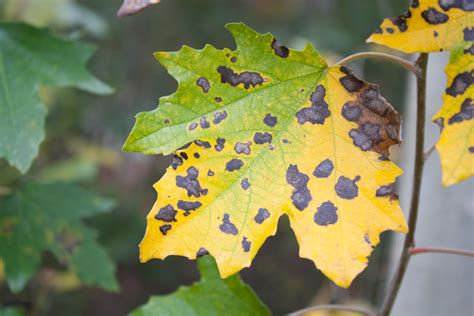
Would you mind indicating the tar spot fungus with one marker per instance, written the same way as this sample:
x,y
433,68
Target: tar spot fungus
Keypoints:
x,y
387,191
262,138
466,112
204,84
390,30
347,188
201,252
301,195
187,206
233,59
246,244
401,21
166,121
262,215
165,228
324,169
218,99
433,16
242,148
465,5
196,155
349,81
366,136
192,126
468,34
210,173
460,83
270,120
279,49
204,123
471,149
326,214
234,164
285,141
219,144
177,161
247,78
435,34
166,214
245,184
184,155
351,111
318,111
219,117
469,50
415,3
191,183
227,227
203,144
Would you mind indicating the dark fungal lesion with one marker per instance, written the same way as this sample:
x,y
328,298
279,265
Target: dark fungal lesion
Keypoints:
x,y
219,117
387,191
245,184
203,144
300,196
460,83
176,162
165,228
280,50
262,215
166,214
324,169
247,78
227,226
318,112
466,112
234,164
401,21
270,120
204,123
188,206
204,84
242,148
201,252
262,138
346,188
434,17
378,122
465,5
246,244
326,214
468,34
219,146
191,183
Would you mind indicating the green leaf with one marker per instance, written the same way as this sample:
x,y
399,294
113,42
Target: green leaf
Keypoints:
x,y
42,217
210,296
12,311
29,57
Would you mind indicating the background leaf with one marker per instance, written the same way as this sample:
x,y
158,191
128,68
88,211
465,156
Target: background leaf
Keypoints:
x,y
276,132
41,217
29,57
433,26
210,296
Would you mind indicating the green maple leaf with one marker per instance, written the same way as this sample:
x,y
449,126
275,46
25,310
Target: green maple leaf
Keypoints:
x,y
29,57
276,131
41,217
210,296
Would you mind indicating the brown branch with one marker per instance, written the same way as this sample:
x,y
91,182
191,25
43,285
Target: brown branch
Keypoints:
x,y
452,251
334,307
392,293
408,65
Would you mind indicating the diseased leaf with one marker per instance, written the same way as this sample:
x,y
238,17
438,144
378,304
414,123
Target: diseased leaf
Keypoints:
x,y
276,131
130,7
433,26
210,296
29,57
42,217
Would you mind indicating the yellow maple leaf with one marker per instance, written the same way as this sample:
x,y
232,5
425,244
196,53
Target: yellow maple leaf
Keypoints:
x,y
275,132
433,26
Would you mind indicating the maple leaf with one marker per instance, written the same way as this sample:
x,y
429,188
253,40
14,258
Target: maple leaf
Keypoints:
x,y
40,217
131,7
209,296
433,26
29,57
276,131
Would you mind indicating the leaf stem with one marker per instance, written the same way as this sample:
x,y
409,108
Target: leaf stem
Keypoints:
x,y
453,251
429,152
408,65
392,293
334,307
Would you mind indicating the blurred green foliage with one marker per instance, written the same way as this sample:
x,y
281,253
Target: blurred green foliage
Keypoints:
x,y
84,134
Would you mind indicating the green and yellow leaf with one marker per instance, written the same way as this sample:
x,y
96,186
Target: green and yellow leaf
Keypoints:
x,y
433,26
266,131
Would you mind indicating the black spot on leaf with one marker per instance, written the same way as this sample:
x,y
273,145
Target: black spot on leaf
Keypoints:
x,y
245,184
433,16
246,244
468,34
460,83
262,138
204,123
318,111
390,30
203,144
234,164
301,195
166,214
469,50
466,5
471,149
191,183
187,206
270,120
326,214
218,99
247,78
387,191
227,227
351,111
204,84
466,112
233,59
350,82
347,188
242,148
279,49
262,215
165,228
401,21
177,161
184,155
192,126
201,252
324,169
219,117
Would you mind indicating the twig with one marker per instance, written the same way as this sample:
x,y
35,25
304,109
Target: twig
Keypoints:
x,y
408,65
334,307
429,152
453,251
392,293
